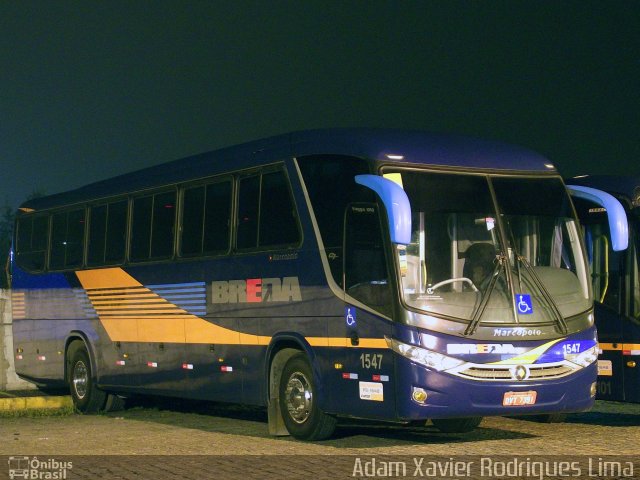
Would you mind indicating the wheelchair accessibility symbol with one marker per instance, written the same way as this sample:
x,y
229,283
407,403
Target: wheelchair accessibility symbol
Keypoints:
x,y
350,316
523,303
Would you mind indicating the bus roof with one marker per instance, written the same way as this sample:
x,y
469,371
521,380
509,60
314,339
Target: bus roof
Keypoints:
x,y
621,185
383,145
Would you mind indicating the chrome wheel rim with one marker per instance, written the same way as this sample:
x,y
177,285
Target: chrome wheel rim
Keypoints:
x,y
80,379
298,397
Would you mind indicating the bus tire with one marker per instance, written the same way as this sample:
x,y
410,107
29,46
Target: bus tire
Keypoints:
x,y
456,425
114,403
87,398
298,402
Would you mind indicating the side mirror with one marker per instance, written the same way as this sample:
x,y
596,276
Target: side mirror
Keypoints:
x,y
396,204
616,215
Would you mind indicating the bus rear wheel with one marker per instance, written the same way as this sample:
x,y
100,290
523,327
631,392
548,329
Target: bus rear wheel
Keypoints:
x,y
87,398
456,425
298,402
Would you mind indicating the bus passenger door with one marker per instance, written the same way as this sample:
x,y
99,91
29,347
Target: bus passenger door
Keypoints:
x,y
607,273
631,360
368,368
607,270
607,278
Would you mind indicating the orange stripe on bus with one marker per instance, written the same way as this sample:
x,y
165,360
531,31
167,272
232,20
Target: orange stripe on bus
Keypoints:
x,y
123,301
137,311
159,320
620,346
106,278
346,342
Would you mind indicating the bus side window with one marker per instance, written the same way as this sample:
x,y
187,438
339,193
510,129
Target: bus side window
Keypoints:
x,y
31,244
206,215
329,180
266,214
97,234
107,233
607,273
365,272
164,219
67,239
248,208
278,218
152,226
116,241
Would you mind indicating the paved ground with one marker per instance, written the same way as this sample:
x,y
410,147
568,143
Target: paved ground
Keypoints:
x,y
193,428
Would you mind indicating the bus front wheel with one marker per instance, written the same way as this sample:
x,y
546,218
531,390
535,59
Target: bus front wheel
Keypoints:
x,y
456,425
87,398
298,402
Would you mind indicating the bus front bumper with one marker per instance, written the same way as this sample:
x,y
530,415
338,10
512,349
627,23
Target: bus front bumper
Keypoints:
x,y
449,396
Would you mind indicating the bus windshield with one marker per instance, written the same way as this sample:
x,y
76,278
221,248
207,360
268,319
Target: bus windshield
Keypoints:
x,y
491,250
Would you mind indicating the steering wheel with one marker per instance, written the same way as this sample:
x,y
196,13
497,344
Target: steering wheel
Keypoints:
x,y
433,288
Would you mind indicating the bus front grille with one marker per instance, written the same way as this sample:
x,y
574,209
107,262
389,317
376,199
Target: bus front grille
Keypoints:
x,y
506,372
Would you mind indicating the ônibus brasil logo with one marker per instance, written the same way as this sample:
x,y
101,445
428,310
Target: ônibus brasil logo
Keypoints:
x,y
36,469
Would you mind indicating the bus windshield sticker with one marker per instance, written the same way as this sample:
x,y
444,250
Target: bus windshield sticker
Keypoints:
x,y
523,302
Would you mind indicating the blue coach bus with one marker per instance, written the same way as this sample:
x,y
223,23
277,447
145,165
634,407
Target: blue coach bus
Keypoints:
x,y
616,287
358,273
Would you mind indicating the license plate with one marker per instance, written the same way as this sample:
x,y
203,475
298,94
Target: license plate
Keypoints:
x,y
518,399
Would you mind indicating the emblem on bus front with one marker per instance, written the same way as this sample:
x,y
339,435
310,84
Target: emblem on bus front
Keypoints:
x,y
519,373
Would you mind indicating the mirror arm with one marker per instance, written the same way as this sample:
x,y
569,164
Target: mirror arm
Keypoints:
x,y
396,204
616,215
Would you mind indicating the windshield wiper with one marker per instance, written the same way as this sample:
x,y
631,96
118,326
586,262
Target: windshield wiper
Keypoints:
x,y
475,321
545,293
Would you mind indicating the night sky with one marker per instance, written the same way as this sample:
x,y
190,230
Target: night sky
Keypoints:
x,y
90,90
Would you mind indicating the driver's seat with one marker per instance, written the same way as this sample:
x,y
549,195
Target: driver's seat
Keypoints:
x,y
479,262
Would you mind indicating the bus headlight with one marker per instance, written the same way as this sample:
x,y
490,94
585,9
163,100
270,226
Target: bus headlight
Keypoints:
x,y
425,357
584,359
